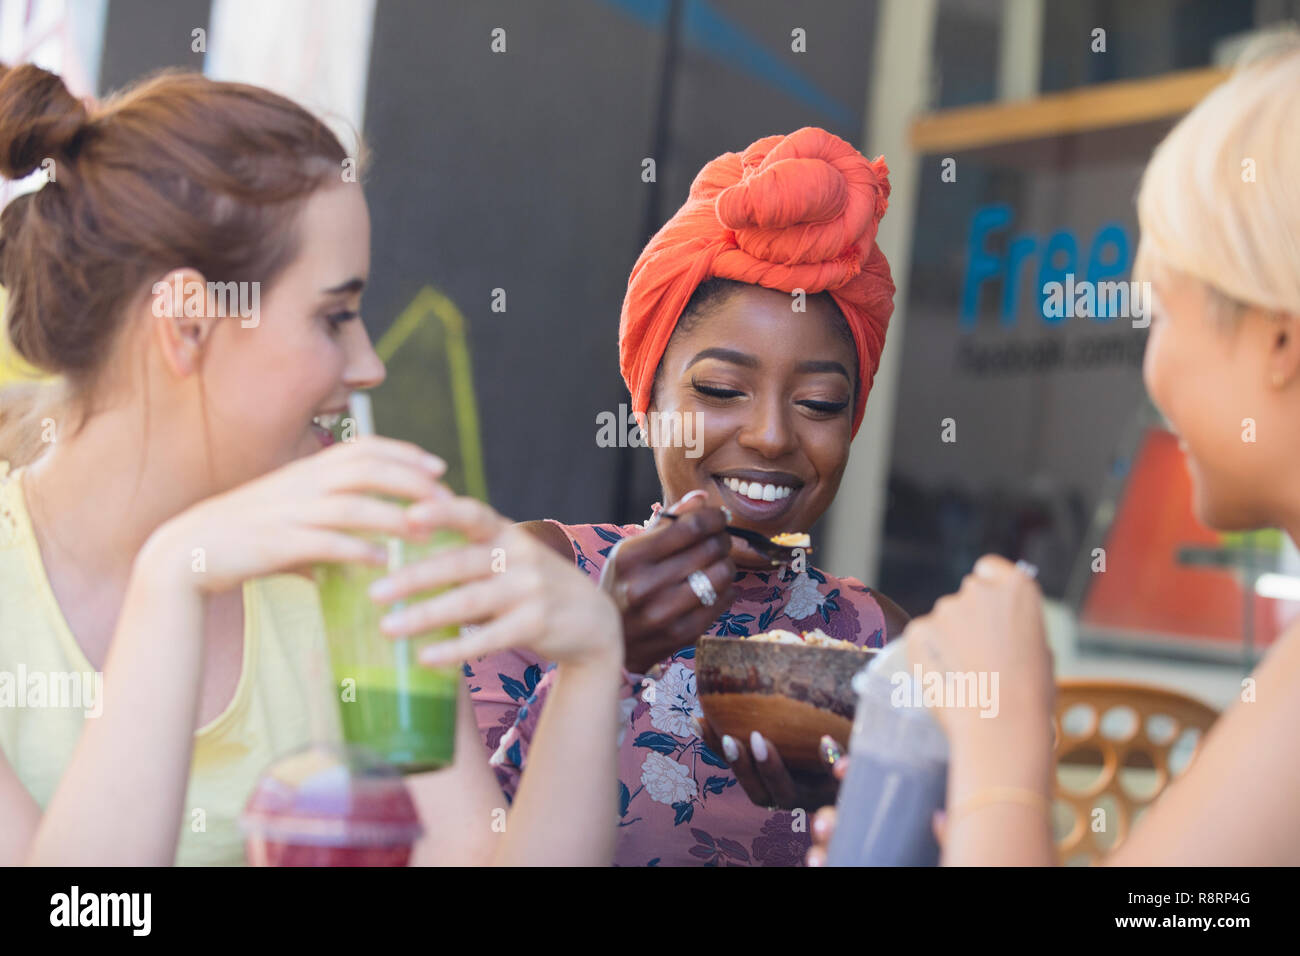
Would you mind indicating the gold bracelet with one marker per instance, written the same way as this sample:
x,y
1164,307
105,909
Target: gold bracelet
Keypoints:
x,y
996,795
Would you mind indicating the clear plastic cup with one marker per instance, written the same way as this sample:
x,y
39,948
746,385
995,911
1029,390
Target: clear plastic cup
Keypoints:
x,y
389,702
330,805
898,772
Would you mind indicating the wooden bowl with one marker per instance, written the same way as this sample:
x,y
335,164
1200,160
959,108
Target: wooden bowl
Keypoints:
x,y
792,694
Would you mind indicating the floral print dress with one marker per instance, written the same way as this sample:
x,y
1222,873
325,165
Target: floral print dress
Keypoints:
x,y
678,802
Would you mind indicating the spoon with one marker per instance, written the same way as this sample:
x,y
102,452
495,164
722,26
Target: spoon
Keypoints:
x,y
776,553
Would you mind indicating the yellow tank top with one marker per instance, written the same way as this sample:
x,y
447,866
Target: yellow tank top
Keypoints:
x,y
41,721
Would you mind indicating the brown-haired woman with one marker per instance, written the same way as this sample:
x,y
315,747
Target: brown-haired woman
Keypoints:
x,y
181,432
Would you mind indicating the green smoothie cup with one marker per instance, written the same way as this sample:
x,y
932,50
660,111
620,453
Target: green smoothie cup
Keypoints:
x,y
389,703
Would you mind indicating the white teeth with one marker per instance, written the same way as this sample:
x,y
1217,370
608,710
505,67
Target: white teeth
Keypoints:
x,y
757,491
328,422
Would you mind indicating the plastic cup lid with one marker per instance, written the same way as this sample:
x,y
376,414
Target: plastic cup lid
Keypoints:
x,y
331,795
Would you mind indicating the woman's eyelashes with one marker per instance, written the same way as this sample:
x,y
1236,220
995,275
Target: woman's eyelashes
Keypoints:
x,y
716,391
337,319
825,409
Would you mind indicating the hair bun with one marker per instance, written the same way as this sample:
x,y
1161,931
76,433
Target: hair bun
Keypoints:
x,y
39,119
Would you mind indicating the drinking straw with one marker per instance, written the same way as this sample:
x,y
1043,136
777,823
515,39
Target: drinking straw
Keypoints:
x,y
362,413
363,417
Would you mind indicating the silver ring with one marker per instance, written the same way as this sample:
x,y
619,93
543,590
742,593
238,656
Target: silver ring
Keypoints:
x,y
703,589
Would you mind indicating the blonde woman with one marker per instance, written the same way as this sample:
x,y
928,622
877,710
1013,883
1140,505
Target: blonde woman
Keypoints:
x,y
1222,252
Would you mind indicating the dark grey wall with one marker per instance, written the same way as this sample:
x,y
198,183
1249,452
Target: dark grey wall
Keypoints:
x,y
518,171
144,35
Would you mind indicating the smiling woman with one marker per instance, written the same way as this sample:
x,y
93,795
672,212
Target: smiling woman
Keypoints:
x,y
757,313
773,400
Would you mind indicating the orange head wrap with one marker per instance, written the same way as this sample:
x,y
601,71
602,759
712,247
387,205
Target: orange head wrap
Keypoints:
x,y
790,212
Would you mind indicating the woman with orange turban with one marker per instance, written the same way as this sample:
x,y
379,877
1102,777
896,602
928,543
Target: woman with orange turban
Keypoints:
x,y
754,320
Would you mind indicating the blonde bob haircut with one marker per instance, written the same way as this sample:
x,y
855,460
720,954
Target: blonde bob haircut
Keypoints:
x,y
1219,202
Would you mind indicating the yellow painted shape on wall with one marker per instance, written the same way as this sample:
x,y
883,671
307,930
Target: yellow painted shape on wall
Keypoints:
x,y
431,305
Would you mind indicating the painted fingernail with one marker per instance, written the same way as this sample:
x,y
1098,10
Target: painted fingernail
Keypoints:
x,y
382,590
1027,569
435,463
726,513
394,621
829,750
758,746
814,858
729,749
